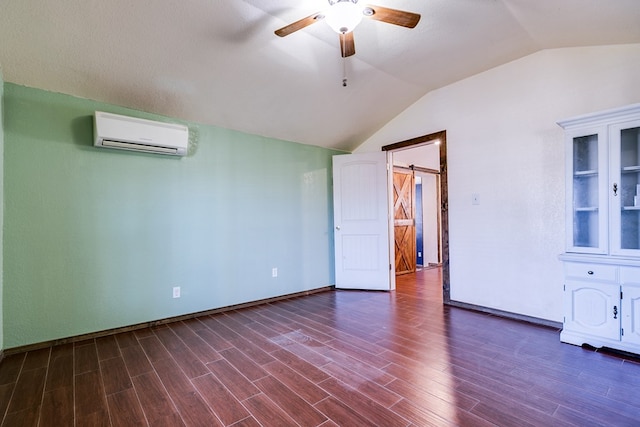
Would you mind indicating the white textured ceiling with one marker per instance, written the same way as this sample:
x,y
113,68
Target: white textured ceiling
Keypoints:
x,y
218,61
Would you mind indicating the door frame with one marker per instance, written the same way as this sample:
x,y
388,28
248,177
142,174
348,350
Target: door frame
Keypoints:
x,y
441,139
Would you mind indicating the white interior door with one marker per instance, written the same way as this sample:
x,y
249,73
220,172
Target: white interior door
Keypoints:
x,y
362,227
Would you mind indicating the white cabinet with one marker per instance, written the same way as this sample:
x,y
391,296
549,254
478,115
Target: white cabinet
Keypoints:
x,y
592,308
601,302
603,182
630,280
602,260
591,302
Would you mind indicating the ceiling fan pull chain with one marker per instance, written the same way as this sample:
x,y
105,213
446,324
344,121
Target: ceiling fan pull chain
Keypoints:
x,y
344,72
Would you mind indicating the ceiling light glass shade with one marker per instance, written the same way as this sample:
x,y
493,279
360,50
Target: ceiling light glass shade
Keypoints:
x,y
344,16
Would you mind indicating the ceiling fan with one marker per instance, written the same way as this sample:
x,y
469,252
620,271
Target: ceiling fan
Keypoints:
x,y
344,15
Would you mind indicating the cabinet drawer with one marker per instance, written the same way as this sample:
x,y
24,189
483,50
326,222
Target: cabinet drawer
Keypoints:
x,y
630,275
598,272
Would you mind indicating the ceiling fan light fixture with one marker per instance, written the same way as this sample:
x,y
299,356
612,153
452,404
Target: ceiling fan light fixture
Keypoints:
x,y
343,16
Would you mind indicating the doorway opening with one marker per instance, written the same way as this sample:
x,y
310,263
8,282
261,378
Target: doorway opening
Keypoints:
x,y
434,148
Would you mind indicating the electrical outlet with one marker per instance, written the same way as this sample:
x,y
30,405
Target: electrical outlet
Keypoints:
x,y
176,291
274,272
475,199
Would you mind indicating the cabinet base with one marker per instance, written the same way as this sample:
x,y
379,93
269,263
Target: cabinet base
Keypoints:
x,y
580,339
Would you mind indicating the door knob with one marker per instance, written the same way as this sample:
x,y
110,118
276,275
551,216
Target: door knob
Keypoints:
x,y
337,227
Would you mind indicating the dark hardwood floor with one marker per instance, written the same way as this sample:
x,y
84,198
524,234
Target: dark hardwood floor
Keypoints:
x,y
345,358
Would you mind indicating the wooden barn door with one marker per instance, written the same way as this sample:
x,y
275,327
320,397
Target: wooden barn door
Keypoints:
x,y
404,220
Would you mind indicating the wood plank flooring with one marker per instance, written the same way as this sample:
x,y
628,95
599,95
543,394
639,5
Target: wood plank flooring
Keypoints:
x,y
345,358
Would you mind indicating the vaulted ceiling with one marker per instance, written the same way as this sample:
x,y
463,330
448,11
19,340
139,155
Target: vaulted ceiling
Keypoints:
x,y
218,62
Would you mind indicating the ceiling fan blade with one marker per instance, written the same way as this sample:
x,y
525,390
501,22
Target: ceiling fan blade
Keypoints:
x,y
347,45
392,16
298,25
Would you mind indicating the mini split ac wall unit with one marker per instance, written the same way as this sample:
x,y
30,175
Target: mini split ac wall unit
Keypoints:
x,y
133,134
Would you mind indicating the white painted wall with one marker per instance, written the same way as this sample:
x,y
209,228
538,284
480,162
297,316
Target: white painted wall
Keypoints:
x,y
430,208
504,144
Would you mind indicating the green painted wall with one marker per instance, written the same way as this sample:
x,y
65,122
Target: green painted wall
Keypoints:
x,y
95,239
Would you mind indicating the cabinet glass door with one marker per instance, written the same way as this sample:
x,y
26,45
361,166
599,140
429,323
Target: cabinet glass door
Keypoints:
x,y
625,188
588,212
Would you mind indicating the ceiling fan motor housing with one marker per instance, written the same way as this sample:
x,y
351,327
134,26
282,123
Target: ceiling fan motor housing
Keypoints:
x,y
332,2
344,15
